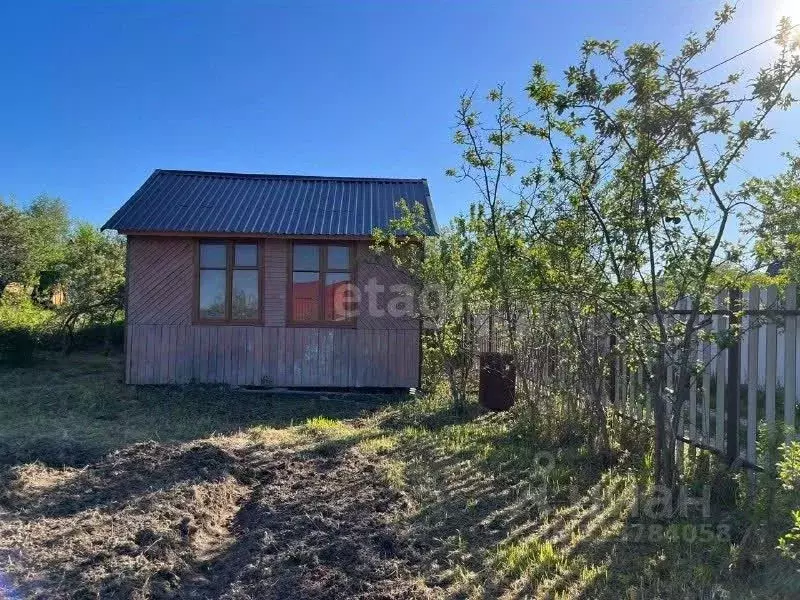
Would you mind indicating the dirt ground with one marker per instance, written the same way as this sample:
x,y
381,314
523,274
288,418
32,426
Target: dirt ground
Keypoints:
x,y
206,520
117,492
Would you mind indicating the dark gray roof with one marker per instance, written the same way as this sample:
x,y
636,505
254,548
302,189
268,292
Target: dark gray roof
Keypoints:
x,y
207,202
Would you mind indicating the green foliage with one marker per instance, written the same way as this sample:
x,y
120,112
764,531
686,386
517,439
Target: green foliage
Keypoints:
x,y
789,544
446,271
24,326
632,210
789,475
48,232
32,240
94,281
789,466
775,220
532,557
39,249
19,310
14,246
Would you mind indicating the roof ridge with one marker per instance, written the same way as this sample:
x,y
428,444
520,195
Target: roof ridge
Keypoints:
x,y
234,175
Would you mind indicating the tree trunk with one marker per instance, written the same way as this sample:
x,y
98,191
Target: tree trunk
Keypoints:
x,y
664,450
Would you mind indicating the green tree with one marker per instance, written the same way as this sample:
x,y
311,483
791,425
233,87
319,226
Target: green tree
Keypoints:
x,y
629,213
94,278
33,241
48,229
775,220
641,145
14,246
447,278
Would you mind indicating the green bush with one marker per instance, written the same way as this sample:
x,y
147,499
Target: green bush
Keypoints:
x,y
789,475
18,310
25,327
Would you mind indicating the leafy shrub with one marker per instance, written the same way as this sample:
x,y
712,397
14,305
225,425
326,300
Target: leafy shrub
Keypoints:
x,y
24,327
789,474
17,309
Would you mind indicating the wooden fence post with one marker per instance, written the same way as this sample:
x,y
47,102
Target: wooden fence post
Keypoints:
x,y
734,364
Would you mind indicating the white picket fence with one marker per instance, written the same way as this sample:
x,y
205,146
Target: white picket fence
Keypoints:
x,y
765,391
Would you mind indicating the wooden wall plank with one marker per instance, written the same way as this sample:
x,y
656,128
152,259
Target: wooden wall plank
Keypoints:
x,y
271,343
172,351
314,357
206,368
214,349
352,350
128,349
255,352
134,333
281,364
194,335
150,373
292,371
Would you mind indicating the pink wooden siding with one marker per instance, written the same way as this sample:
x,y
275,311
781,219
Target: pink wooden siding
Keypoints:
x,y
299,356
161,280
275,278
382,269
164,346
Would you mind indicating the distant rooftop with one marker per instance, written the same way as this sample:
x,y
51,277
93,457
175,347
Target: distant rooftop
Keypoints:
x,y
211,202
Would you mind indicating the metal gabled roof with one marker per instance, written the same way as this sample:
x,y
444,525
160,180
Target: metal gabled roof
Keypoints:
x,y
210,202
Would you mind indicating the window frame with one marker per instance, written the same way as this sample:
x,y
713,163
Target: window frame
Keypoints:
x,y
323,270
230,267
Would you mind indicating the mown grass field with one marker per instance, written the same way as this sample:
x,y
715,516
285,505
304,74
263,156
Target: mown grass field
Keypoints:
x,y
108,491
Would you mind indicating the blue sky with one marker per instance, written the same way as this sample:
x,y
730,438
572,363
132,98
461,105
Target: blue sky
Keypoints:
x,y
95,95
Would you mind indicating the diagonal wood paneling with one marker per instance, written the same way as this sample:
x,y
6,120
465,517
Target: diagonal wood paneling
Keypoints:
x,y
380,267
161,281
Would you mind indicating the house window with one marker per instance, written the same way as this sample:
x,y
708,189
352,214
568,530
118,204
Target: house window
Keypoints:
x,y
229,282
320,288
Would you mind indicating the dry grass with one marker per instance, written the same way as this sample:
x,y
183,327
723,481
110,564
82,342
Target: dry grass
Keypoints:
x,y
200,492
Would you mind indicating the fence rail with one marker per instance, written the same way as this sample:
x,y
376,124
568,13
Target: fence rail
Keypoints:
x,y
746,354
746,375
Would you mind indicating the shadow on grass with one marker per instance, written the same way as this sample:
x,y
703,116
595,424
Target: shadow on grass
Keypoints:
x,y
502,511
251,522
73,410
123,477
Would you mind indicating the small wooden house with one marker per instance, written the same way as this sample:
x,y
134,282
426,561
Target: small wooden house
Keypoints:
x,y
267,280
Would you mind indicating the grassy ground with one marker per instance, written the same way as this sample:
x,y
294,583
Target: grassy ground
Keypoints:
x,y
108,491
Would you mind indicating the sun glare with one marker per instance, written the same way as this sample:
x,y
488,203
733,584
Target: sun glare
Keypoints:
x,y
788,8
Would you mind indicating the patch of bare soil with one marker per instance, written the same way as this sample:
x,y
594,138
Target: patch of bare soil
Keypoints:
x,y
204,520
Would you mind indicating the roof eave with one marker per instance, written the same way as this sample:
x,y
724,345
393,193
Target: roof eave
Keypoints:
x,y
237,234
431,212
116,217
